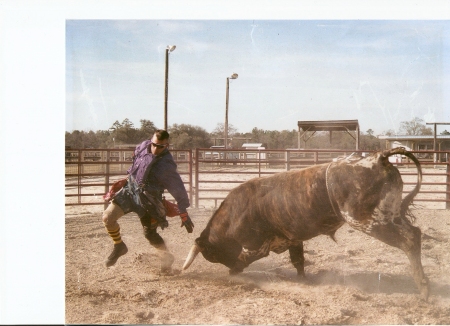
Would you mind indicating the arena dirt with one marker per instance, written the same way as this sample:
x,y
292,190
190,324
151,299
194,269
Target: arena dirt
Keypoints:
x,y
358,280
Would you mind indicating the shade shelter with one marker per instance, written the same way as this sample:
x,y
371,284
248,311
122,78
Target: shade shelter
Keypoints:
x,y
349,126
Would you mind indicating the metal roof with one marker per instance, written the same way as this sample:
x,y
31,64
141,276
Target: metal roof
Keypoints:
x,y
252,145
408,137
330,125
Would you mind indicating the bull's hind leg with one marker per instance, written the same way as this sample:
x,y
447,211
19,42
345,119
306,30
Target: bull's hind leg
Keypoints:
x,y
298,259
403,235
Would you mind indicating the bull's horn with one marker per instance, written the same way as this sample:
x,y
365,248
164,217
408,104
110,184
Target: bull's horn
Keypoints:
x,y
192,254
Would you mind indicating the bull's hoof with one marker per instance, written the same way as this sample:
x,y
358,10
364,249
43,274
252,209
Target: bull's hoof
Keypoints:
x,y
424,290
235,271
166,272
301,278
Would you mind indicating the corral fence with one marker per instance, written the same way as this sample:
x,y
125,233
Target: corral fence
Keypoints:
x,y
210,174
219,171
89,173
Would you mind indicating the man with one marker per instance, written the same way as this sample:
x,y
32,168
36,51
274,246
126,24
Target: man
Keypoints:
x,y
153,170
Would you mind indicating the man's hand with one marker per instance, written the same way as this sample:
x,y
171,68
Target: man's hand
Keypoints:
x,y
187,222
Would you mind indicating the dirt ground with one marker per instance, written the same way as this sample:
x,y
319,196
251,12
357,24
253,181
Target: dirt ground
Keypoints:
x,y
358,280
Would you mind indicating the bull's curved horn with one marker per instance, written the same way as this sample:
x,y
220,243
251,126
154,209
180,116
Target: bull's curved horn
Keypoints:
x,y
195,250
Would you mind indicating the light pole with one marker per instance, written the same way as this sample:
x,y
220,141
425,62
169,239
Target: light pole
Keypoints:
x,y
233,76
170,48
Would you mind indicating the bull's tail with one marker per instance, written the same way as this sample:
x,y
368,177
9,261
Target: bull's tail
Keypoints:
x,y
195,250
409,198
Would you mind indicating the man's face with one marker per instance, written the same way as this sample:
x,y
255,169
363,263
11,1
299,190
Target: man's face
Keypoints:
x,y
157,146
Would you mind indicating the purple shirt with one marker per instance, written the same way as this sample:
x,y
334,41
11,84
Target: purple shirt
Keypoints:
x,y
142,158
163,175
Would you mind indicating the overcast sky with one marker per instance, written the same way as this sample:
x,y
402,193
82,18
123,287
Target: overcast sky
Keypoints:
x,y
380,72
84,64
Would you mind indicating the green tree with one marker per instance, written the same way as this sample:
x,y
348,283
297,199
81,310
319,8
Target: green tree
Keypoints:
x,y
186,136
368,142
147,129
104,139
125,133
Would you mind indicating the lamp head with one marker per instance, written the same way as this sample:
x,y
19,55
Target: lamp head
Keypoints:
x,y
171,48
234,76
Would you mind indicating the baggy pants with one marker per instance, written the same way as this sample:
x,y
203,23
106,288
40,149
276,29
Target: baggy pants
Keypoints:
x,y
127,200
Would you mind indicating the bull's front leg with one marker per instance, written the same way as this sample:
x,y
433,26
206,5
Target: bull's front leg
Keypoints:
x,y
247,256
298,259
409,240
403,235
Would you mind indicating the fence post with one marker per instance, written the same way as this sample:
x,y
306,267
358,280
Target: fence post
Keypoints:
x,y
80,170
105,205
259,165
447,203
288,159
189,158
195,187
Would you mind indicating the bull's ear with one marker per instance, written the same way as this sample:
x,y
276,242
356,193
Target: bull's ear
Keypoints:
x,y
383,157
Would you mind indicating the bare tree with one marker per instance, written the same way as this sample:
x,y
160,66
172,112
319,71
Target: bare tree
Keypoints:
x,y
415,127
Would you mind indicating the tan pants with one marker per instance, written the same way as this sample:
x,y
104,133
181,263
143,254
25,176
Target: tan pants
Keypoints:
x,y
110,216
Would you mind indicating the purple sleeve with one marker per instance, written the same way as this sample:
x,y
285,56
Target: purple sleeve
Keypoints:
x,y
172,181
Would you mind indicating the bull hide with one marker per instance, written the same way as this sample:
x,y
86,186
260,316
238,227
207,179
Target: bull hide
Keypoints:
x,y
279,212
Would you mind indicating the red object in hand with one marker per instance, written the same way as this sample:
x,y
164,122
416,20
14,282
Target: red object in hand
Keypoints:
x,y
116,186
171,208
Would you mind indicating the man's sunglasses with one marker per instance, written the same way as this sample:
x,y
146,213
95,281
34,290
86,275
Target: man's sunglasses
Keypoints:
x,y
159,145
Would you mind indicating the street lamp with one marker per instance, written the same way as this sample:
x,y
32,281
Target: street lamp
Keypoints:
x,y
170,48
233,76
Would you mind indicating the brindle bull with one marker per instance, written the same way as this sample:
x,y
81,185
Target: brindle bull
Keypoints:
x,y
279,212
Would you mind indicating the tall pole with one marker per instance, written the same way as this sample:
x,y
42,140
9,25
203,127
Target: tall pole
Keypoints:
x,y
166,89
225,138
226,115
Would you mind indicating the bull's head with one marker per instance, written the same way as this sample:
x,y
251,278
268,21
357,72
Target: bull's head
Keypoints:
x,y
224,252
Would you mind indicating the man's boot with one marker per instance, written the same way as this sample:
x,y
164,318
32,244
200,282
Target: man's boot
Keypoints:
x,y
120,249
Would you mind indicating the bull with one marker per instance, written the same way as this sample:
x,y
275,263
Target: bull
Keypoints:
x,y
279,212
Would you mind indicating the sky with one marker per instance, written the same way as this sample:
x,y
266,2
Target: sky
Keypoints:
x,y
380,72
84,64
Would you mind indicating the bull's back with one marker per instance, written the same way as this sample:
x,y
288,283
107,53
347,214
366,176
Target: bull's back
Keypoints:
x,y
291,204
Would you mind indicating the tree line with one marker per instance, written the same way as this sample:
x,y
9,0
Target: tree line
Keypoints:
x,y
186,136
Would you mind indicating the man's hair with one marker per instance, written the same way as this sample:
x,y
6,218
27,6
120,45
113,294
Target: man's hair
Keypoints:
x,y
161,134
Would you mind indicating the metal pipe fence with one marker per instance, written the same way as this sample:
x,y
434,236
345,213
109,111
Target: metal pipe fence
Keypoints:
x,y
217,171
89,173
210,174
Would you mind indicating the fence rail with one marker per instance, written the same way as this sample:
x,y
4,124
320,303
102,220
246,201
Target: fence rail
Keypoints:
x,y
209,174
216,175
89,173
